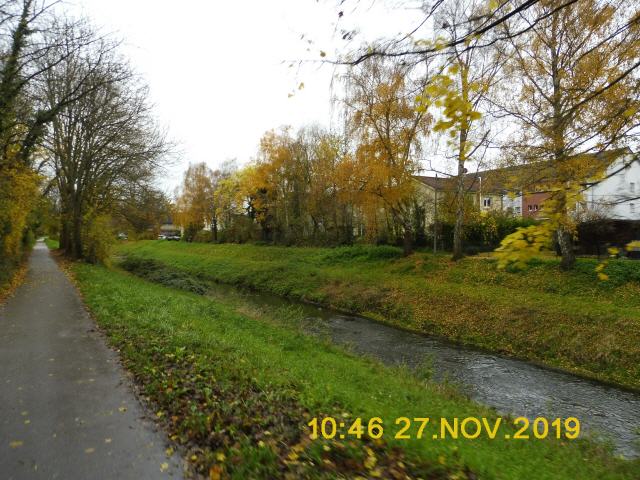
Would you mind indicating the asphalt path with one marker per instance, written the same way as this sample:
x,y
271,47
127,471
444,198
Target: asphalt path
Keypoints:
x,y
67,409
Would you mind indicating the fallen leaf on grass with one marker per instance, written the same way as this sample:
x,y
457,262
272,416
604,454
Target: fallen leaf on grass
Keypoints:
x,y
215,472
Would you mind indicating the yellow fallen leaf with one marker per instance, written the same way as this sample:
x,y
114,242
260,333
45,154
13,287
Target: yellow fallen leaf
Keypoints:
x,y
107,440
16,443
122,409
221,457
164,467
215,472
169,451
89,450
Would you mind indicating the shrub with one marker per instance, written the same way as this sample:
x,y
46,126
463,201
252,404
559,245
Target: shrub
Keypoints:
x,y
98,239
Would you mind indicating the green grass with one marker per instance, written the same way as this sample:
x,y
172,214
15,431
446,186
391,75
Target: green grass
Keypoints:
x,y
51,243
566,320
237,392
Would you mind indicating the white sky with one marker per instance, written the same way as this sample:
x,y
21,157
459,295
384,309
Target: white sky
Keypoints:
x,y
218,70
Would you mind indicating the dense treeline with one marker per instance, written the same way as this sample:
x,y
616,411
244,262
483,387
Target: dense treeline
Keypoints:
x,y
557,95
78,145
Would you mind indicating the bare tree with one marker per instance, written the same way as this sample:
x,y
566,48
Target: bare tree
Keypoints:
x,y
32,43
102,142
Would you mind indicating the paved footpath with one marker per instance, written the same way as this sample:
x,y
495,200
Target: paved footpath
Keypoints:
x,y
67,410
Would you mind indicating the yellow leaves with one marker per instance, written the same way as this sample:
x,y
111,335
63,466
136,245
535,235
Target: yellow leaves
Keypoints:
x,y
16,444
454,69
89,450
635,245
215,472
164,467
18,196
524,244
371,461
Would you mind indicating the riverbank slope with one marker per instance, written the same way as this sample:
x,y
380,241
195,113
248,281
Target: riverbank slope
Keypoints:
x,y
236,393
566,320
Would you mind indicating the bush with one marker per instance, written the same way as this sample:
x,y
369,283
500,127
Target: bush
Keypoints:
x,y
98,239
203,236
483,232
18,195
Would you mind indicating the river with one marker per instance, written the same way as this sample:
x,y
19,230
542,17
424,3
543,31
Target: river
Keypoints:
x,y
512,387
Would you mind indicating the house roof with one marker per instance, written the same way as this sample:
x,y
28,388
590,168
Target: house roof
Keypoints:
x,y
530,176
471,182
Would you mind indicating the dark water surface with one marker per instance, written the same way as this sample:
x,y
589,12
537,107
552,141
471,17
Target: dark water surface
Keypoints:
x,y
511,386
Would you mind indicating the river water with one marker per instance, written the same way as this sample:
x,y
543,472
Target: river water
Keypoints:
x,y
513,387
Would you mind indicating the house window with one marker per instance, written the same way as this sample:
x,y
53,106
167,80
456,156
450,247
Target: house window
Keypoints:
x,y
517,210
530,208
632,187
486,202
535,208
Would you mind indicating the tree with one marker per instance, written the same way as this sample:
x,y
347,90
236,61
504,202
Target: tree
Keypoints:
x,y
577,97
29,36
99,144
387,128
461,92
195,207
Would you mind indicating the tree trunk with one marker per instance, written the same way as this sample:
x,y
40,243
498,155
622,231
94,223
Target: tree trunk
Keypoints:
x,y
565,240
407,241
77,234
458,230
64,232
214,229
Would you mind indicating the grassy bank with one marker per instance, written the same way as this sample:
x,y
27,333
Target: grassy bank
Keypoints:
x,y
566,320
237,393
51,243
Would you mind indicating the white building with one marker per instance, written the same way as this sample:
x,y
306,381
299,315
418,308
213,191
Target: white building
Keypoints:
x,y
617,195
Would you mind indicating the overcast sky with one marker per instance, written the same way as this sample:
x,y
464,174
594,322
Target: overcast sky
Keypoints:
x,y
219,71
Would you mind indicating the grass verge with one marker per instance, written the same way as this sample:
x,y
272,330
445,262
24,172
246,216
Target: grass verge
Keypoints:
x,y
566,320
51,243
237,393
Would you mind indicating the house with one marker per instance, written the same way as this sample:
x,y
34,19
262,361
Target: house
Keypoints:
x,y
617,194
612,192
429,189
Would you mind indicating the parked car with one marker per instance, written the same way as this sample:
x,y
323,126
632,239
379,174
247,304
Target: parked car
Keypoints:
x,y
175,237
162,237
123,236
